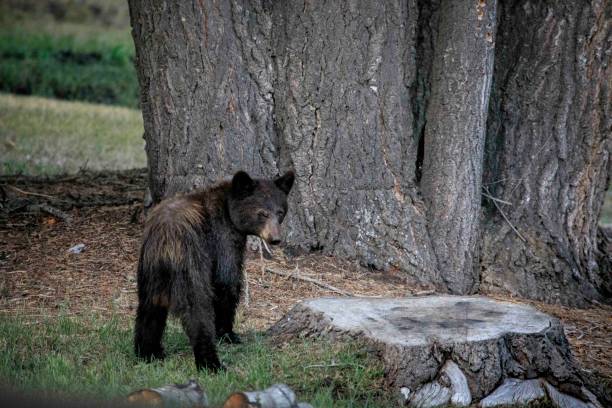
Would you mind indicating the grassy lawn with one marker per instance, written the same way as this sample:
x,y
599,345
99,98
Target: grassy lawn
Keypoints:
x,y
45,136
76,50
92,357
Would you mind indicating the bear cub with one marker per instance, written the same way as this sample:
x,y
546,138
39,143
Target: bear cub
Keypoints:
x,y
191,260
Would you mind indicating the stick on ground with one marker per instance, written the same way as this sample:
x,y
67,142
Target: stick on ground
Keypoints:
x,y
55,212
30,193
310,280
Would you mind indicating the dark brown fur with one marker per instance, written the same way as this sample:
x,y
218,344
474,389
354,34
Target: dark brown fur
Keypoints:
x,y
191,261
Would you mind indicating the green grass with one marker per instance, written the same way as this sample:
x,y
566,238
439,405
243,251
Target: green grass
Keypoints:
x,y
92,357
41,136
109,24
62,67
74,54
109,14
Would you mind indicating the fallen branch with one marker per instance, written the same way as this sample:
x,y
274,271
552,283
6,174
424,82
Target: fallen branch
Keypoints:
x,y
247,295
55,212
261,258
426,292
333,365
61,202
309,280
30,193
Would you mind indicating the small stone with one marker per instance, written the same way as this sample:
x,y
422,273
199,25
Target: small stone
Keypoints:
x,y
77,249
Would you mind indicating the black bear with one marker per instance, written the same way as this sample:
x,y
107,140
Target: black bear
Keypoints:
x,y
191,261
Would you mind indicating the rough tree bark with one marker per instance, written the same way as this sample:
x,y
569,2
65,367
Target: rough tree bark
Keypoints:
x,y
455,137
359,99
345,116
548,149
322,87
206,90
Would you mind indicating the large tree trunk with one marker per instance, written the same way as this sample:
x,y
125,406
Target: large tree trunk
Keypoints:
x,y
359,99
345,116
206,90
322,87
548,149
455,137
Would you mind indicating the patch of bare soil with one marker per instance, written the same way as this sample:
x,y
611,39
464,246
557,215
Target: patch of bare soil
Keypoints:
x,y
39,276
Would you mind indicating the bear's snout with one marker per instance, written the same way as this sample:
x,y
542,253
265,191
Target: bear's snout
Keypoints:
x,y
271,232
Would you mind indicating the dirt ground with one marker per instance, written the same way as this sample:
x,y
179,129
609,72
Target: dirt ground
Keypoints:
x,y
40,219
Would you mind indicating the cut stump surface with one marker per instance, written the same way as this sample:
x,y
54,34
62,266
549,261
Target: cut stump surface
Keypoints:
x,y
433,346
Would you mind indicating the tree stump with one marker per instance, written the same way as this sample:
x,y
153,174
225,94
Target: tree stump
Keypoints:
x,y
443,350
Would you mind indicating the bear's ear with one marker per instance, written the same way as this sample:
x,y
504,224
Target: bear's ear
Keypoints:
x,y
242,185
285,182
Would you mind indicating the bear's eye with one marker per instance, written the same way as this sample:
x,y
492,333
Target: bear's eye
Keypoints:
x,y
263,214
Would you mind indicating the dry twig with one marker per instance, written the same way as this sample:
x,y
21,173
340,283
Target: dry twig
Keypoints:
x,y
499,200
20,191
310,280
506,218
247,295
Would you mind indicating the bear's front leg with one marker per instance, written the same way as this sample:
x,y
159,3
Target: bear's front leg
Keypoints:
x,y
226,303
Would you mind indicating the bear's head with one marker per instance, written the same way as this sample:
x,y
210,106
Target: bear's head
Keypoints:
x,y
257,206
